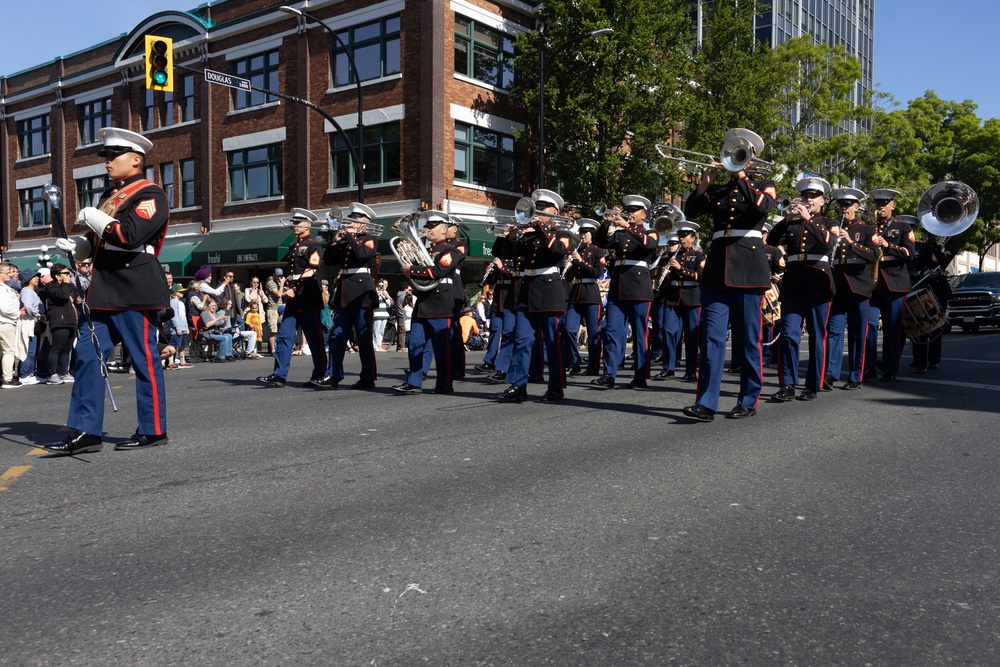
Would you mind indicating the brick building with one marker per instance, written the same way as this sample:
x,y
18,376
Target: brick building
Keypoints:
x,y
438,128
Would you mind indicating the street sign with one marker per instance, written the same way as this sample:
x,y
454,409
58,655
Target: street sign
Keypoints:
x,y
227,80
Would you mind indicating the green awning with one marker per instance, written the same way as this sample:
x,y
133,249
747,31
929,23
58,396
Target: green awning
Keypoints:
x,y
480,241
259,246
177,257
29,262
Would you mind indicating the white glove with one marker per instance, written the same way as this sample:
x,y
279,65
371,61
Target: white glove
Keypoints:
x,y
68,246
94,218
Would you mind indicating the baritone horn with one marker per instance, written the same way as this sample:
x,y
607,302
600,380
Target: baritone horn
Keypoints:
x,y
948,208
409,248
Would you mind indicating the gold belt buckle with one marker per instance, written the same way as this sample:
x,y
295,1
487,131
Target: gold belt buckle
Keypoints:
x,y
802,256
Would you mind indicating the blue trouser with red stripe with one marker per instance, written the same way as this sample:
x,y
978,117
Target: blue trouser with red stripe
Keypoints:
x,y
313,333
852,312
434,333
136,331
815,315
346,320
719,307
527,324
619,315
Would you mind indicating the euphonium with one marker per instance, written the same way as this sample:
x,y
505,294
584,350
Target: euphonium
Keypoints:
x,y
409,248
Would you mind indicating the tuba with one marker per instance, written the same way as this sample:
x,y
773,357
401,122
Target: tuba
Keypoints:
x,y
948,208
409,248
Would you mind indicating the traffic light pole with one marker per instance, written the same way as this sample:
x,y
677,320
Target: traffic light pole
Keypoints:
x,y
358,166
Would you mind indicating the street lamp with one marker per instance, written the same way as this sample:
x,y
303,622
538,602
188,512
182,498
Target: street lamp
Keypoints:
x,y
542,44
359,167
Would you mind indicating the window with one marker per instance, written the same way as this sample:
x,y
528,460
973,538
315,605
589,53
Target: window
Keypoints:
x,y
187,183
166,109
89,190
167,182
34,208
255,173
262,70
380,155
375,48
92,117
33,136
485,157
483,53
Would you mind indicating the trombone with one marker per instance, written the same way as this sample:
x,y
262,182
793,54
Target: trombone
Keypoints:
x,y
497,225
335,220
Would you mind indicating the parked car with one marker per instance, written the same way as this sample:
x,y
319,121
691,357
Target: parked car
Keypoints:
x,y
975,301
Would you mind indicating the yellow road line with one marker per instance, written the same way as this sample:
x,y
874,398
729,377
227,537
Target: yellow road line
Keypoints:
x,y
37,451
12,473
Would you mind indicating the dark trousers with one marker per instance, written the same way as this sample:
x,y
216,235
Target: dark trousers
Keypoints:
x,y
589,313
678,322
311,329
815,315
346,320
525,328
719,307
434,333
853,313
59,351
619,315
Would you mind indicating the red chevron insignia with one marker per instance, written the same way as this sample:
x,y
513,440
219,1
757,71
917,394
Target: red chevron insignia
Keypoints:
x,y
146,208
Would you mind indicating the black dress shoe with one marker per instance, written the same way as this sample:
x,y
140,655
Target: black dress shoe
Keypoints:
x,y
921,370
699,412
604,382
741,412
663,375
322,383
827,384
932,366
138,441
637,383
536,379
852,385
363,384
442,390
690,377
784,394
574,370
888,377
807,395
485,368
513,394
733,369
407,388
77,442
589,373
273,380
499,377
552,395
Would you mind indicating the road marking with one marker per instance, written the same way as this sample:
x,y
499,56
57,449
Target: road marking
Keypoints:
x,y
970,361
38,451
949,383
12,473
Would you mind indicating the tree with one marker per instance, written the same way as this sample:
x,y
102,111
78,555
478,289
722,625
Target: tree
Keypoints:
x,y
608,99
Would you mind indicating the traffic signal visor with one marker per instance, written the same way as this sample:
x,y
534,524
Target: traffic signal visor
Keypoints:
x,y
159,63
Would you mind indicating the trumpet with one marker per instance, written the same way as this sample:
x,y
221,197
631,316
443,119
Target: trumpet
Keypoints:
x,y
786,202
335,220
606,214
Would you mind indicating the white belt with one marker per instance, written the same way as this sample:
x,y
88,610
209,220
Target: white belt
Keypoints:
x,y
444,281
544,271
351,272
148,249
738,233
855,260
810,258
631,262
684,283
588,281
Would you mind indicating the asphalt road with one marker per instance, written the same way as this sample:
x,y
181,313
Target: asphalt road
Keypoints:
x,y
296,527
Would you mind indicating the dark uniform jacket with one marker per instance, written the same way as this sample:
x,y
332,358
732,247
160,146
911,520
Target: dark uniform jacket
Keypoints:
x,y
775,260
304,254
852,262
583,274
927,258
629,281
680,287
807,264
540,255
739,210
458,282
440,301
126,274
353,251
893,269
499,281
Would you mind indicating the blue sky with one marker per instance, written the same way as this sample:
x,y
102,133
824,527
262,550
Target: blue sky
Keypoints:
x,y
919,44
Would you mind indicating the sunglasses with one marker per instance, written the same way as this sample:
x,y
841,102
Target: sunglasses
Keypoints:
x,y
112,153
633,209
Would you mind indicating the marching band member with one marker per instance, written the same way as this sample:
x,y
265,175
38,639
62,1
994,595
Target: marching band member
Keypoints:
x,y
433,320
585,268
896,245
353,252
497,280
807,287
126,294
631,290
852,259
303,301
776,264
732,284
682,302
541,299
931,259
461,300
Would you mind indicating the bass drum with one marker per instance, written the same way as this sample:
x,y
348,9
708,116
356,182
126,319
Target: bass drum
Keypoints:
x,y
923,316
770,308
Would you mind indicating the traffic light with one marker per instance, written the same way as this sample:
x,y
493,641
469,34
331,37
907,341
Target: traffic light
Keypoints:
x,y
159,63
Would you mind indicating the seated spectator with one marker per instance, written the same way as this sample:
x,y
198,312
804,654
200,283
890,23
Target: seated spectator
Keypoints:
x,y
254,319
470,330
240,331
215,326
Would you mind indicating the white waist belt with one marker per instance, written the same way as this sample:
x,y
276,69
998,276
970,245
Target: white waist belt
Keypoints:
x,y
444,281
148,249
588,281
856,260
684,283
544,271
811,258
351,272
738,233
631,262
